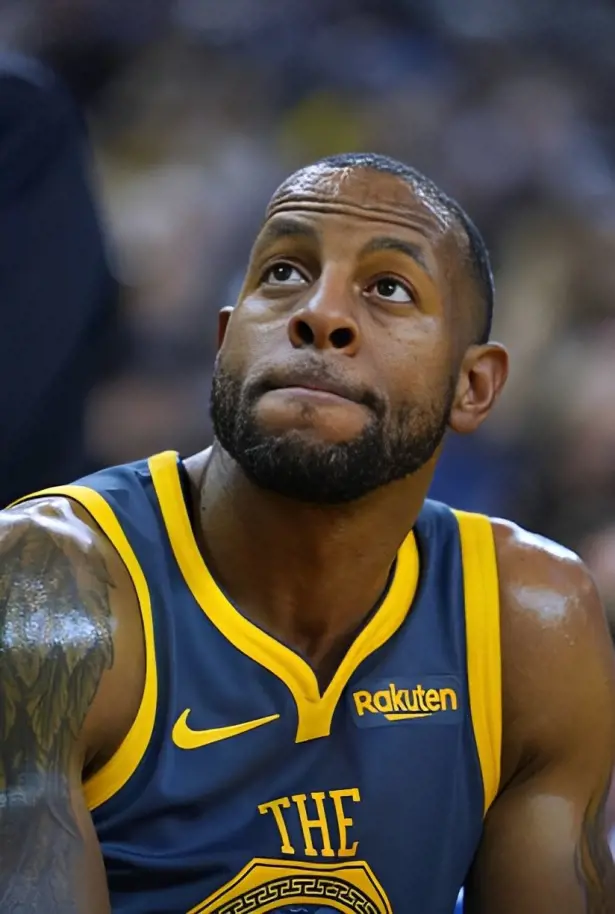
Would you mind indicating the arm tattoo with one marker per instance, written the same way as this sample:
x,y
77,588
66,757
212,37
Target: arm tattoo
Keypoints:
x,y
594,863
55,643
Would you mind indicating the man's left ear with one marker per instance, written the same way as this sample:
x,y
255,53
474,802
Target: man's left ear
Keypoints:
x,y
482,376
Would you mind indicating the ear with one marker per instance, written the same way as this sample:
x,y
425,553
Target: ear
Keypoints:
x,y
223,318
482,376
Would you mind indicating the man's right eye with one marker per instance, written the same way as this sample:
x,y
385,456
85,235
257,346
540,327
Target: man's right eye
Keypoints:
x,y
283,273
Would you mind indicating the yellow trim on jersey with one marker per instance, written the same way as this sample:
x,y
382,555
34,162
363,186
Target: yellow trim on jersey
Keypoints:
x,y
482,614
115,773
314,712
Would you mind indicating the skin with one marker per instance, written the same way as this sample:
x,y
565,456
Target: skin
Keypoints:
x,y
543,849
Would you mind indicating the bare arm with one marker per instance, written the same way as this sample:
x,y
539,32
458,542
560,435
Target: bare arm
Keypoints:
x,y
57,633
544,849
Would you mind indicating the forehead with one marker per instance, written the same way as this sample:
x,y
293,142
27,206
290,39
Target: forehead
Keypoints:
x,y
366,193
351,204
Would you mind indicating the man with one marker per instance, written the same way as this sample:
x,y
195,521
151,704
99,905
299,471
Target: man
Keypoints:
x,y
58,297
273,677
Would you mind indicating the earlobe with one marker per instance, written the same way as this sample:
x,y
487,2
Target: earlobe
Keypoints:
x,y
481,378
223,318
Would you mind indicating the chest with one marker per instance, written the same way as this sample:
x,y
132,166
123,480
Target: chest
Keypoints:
x,y
260,792
390,794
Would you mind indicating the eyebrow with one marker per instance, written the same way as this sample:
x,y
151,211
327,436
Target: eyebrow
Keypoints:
x,y
285,228
281,228
385,243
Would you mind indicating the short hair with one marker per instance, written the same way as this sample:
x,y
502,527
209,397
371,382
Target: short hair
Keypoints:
x,y
477,253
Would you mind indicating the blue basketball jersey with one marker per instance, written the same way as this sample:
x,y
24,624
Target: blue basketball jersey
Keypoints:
x,y
240,787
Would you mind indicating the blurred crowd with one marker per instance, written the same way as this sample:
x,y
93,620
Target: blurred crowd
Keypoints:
x,y
197,110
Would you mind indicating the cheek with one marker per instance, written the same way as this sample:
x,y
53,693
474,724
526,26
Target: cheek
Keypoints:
x,y
415,371
254,332
240,344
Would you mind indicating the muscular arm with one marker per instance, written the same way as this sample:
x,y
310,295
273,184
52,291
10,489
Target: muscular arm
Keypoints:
x,y
56,642
544,849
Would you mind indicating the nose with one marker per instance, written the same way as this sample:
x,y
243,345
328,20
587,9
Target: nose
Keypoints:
x,y
326,321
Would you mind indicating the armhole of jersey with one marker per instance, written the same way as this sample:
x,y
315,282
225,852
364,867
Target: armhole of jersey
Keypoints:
x,y
117,771
482,617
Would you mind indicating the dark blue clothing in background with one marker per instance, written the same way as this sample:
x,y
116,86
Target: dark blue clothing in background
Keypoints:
x,y
57,295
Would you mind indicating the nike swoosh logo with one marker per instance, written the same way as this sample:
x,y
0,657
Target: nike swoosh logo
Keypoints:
x,y
186,738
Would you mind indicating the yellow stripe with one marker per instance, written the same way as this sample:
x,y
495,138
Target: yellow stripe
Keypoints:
x,y
482,615
125,761
314,712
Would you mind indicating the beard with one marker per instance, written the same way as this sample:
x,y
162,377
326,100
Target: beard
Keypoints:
x,y
390,447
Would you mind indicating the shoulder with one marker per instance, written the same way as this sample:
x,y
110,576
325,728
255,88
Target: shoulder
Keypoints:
x,y
30,531
67,604
522,554
33,532
558,674
547,591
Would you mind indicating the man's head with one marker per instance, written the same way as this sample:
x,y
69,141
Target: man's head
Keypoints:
x,y
360,335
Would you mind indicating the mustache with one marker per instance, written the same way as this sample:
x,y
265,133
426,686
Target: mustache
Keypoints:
x,y
316,373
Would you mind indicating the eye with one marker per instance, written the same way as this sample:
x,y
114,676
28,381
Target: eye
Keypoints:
x,y
283,274
391,290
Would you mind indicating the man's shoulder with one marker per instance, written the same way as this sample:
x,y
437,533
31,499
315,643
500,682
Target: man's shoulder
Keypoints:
x,y
552,617
55,587
530,560
557,654
46,517
53,542
68,605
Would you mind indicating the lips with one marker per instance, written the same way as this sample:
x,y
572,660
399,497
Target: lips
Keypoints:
x,y
320,384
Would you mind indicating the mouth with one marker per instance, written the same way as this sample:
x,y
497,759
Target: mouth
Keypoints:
x,y
308,385
310,401
313,382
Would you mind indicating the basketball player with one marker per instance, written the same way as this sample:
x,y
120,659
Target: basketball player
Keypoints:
x,y
273,676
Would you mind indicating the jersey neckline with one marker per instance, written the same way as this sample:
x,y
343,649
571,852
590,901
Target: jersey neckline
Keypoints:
x,y
314,710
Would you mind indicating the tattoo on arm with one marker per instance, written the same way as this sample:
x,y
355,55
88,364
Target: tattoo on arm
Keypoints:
x,y
55,643
594,863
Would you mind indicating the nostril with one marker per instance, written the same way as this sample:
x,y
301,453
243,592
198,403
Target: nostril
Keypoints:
x,y
341,338
304,332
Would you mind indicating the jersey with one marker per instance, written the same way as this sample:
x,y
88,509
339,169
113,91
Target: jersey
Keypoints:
x,y
241,787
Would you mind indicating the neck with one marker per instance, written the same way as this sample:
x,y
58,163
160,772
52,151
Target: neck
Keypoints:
x,y
309,574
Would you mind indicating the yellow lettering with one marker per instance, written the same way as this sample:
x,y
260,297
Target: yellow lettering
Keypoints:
x,y
309,825
420,692
382,700
398,698
405,700
412,702
432,700
363,703
276,806
343,822
448,693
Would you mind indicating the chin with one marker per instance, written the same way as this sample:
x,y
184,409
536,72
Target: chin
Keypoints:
x,y
312,429
304,466
312,437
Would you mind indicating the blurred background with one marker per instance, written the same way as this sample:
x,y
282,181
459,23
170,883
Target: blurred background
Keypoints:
x,y
197,110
